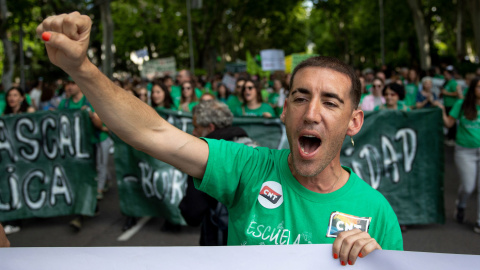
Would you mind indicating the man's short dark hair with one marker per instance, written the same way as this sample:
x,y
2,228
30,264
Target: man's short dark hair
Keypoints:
x,y
337,65
213,112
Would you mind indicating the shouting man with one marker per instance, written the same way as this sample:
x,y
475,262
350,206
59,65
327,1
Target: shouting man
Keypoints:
x,y
297,196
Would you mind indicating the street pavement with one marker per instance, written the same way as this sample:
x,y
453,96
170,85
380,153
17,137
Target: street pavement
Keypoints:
x,y
105,229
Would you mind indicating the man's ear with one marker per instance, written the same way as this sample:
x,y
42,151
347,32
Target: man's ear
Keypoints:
x,y
211,128
356,122
282,116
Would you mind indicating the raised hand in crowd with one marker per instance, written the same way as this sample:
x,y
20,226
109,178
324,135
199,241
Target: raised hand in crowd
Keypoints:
x,y
66,38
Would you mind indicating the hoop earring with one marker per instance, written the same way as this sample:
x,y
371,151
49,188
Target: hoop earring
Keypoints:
x,y
351,139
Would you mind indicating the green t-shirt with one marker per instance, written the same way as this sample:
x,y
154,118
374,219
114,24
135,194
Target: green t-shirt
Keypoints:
x,y
362,97
190,106
267,205
176,94
468,131
245,111
368,87
451,87
99,136
233,102
3,103
411,91
273,98
400,107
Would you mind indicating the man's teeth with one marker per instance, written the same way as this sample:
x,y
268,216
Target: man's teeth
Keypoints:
x,y
303,150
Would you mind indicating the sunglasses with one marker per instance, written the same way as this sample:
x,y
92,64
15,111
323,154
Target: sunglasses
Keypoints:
x,y
377,85
186,88
249,87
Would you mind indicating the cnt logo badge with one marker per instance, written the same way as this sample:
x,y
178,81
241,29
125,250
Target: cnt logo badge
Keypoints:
x,y
271,195
340,222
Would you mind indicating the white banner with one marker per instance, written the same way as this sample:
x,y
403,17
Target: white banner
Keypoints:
x,y
229,82
273,60
159,67
233,257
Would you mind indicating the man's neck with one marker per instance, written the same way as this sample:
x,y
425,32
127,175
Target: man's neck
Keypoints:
x,y
332,178
76,98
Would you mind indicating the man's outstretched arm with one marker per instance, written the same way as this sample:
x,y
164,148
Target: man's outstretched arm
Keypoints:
x,y
66,39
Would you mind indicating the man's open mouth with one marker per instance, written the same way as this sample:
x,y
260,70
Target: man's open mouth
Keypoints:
x,y
309,143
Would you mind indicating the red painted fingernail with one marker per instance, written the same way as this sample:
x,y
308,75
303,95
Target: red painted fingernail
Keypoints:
x,y
343,263
350,262
360,255
46,36
335,256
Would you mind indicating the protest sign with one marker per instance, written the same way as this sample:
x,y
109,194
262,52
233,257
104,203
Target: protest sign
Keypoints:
x,y
401,155
229,82
236,67
48,165
388,154
235,257
273,60
159,67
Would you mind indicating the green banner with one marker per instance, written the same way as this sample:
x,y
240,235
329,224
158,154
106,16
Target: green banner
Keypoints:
x,y
149,187
401,155
48,165
388,154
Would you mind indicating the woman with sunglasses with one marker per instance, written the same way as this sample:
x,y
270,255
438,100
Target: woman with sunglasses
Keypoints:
x,y
375,98
188,98
253,104
393,94
467,147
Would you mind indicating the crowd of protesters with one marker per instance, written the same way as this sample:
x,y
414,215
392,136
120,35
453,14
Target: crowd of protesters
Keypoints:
x,y
251,96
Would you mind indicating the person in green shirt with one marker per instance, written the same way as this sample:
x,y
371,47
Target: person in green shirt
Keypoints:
x,y
393,94
253,104
467,148
188,99
77,100
15,102
235,99
183,76
274,99
450,93
222,93
320,111
411,89
160,97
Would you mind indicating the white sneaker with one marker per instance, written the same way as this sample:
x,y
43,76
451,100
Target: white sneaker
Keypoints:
x,y
450,143
9,229
476,228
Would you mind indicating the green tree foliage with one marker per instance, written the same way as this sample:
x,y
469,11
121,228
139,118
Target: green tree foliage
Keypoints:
x,y
225,30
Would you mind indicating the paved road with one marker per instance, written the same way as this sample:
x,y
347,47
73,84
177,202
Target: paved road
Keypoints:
x,y
104,229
